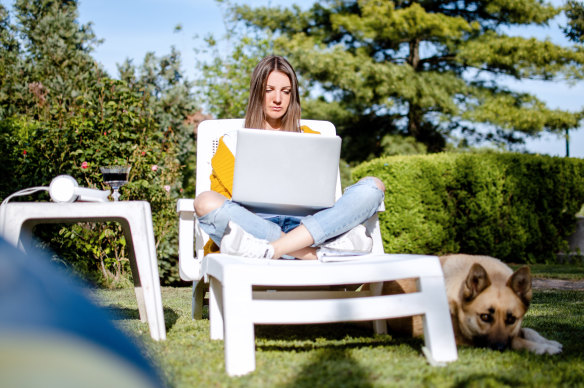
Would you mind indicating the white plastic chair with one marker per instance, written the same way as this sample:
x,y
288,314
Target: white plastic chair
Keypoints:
x,y
235,306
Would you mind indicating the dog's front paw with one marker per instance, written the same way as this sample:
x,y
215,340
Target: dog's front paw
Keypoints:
x,y
538,344
550,347
555,344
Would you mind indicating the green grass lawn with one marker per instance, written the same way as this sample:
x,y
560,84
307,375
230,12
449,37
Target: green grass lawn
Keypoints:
x,y
344,355
556,271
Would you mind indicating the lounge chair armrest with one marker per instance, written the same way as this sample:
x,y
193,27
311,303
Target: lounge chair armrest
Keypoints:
x,y
189,266
185,205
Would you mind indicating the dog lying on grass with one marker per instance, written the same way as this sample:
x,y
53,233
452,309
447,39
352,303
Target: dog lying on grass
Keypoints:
x,y
487,303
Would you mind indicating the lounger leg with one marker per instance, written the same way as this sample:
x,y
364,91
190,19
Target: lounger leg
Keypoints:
x,y
239,329
198,296
438,332
380,325
215,309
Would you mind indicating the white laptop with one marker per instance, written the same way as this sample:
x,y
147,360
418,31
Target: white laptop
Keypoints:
x,y
285,172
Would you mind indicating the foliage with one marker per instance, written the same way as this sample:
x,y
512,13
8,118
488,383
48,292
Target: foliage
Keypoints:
x,y
425,68
401,145
172,99
57,49
519,208
347,355
172,103
9,62
68,117
575,28
224,81
115,129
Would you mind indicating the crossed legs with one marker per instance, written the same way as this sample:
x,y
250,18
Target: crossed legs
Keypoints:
x,y
295,243
360,201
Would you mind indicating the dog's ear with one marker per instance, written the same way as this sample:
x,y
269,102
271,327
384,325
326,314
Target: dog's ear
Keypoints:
x,y
476,281
520,283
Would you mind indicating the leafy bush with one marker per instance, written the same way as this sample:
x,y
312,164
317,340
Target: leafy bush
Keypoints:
x,y
512,206
114,127
61,114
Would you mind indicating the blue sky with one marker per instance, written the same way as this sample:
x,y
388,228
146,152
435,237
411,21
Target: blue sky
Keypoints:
x,y
130,28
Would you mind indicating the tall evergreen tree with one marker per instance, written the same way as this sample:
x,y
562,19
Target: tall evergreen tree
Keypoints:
x,y
224,81
422,68
172,100
10,65
57,48
575,28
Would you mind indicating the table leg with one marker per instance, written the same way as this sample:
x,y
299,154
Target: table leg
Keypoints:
x,y
143,251
15,230
130,243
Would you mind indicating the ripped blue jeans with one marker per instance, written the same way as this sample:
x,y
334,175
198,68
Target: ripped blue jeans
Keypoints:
x,y
358,202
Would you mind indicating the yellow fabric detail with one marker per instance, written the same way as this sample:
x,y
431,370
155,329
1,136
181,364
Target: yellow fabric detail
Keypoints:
x,y
223,163
306,129
210,247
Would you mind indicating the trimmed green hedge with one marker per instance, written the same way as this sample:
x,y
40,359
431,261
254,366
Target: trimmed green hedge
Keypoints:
x,y
519,208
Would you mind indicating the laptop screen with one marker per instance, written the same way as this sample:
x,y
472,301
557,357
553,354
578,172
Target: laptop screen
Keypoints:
x,y
285,172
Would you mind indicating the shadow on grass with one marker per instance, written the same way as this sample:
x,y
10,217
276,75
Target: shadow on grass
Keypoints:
x,y
332,368
332,337
557,315
487,380
121,313
170,317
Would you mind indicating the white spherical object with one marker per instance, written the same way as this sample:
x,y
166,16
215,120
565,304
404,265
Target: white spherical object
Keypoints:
x,y
62,189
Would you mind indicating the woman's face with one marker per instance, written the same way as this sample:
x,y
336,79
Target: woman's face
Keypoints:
x,y
277,99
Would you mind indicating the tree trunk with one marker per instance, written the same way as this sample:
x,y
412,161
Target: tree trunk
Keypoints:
x,y
414,57
414,113
414,121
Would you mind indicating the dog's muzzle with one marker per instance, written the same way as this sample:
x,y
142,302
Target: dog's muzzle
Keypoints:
x,y
484,342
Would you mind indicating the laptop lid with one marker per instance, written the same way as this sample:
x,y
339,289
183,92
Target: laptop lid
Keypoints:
x,y
285,172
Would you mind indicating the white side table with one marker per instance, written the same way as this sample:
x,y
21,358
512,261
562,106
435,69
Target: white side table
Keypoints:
x,y
18,218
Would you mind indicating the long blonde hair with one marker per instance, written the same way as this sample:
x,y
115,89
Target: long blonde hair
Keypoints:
x,y
255,116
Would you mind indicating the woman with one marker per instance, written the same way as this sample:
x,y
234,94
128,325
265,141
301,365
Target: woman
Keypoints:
x,y
274,104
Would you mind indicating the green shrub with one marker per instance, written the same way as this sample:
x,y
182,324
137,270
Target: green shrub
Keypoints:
x,y
112,126
60,113
513,206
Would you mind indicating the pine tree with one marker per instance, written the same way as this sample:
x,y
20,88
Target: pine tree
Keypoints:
x,y
575,28
56,48
427,69
170,98
10,65
170,94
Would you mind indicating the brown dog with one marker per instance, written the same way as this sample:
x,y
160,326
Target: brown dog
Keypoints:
x,y
487,303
